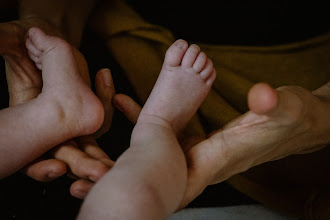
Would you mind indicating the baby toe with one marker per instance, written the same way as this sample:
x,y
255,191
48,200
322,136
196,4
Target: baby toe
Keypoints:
x,y
200,62
190,56
212,76
34,58
175,53
43,42
32,49
37,37
207,70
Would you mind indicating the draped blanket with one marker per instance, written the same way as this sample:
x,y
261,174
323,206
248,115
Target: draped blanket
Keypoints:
x,y
139,47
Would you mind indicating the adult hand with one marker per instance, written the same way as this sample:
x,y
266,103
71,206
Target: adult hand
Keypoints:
x,y
25,83
282,122
288,120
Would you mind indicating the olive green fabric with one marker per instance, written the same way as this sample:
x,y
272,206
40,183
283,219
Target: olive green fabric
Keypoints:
x,y
139,48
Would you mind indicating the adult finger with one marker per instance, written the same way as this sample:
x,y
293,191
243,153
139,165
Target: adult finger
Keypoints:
x,y
82,66
78,162
127,106
202,161
262,98
80,188
268,132
285,104
45,170
105,91
89,146
189,142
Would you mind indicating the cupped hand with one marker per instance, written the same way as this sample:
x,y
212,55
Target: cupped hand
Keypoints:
x,y
82,158
282,122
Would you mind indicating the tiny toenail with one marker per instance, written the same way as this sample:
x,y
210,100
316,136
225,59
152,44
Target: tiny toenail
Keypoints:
x,y
195,47
31,32
180,43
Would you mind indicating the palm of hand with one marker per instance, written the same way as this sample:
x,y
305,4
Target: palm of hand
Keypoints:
x,y
289,125
24,79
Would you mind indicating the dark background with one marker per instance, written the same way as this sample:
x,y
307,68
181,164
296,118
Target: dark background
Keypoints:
x,y
223,22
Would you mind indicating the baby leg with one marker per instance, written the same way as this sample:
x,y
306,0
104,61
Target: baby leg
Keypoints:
x,y
150,177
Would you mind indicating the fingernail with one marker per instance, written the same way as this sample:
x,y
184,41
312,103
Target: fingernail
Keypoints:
x,y
107,162
53,175
80,194
117,105
106,77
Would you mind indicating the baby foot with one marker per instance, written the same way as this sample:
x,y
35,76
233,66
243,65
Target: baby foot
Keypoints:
x,y
62,84
24,81
183,83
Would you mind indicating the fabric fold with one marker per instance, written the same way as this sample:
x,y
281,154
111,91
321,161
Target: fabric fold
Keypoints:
x,y
139,48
